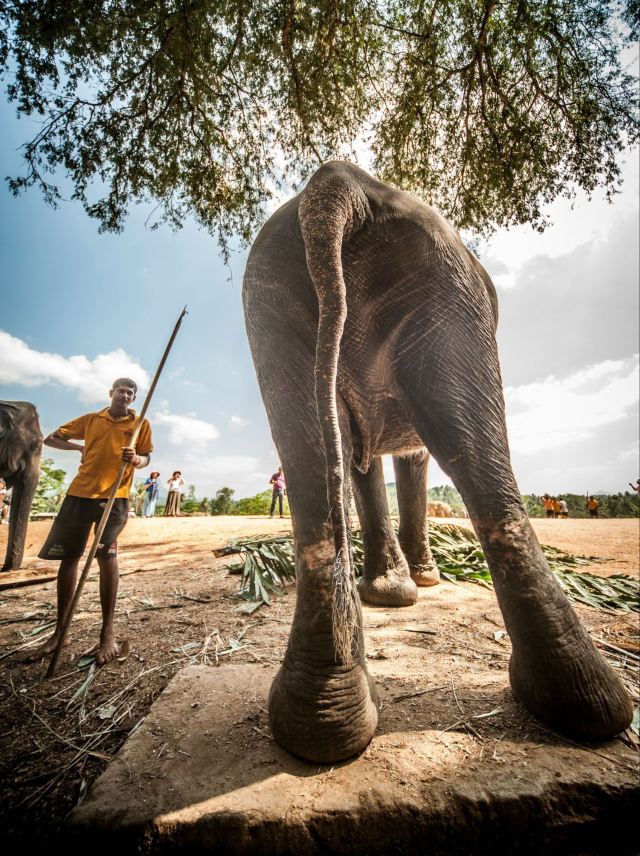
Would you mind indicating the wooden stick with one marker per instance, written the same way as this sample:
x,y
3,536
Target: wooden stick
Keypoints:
x,y
66,623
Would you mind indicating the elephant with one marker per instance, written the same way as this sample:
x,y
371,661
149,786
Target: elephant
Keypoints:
x,y
439,509
20,450
372,331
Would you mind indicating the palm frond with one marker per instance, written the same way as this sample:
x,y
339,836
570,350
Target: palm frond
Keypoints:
x,y
268,565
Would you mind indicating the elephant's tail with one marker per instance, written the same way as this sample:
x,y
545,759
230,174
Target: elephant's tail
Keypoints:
x,y
332,207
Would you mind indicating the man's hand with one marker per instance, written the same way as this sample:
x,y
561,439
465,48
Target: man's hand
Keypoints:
x,y
129,455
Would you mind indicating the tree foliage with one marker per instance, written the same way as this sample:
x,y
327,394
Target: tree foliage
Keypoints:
x,y
189,503
50,490
136,495
448,494
258,504
485,108
223,502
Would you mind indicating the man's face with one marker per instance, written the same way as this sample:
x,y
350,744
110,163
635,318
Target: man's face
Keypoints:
x,y
122,396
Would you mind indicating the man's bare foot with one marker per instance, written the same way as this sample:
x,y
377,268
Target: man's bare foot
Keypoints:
x,y
108,650
45,650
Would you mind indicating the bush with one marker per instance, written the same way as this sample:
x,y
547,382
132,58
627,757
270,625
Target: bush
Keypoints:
x,y
223,502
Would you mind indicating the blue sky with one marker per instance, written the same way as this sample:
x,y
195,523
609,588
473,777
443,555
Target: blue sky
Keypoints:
x,y
78,308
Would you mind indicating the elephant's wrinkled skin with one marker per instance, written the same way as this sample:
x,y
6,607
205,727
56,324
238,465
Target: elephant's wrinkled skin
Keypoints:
x,y
20,450
354,269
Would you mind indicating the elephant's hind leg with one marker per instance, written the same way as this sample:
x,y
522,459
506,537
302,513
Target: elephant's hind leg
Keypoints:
x,y
411,488
320,708
386,580
453,395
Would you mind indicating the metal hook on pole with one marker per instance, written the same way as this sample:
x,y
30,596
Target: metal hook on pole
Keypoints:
x,y
66,623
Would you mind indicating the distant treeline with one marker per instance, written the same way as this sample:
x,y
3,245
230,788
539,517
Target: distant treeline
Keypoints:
x,y
611,505
224,503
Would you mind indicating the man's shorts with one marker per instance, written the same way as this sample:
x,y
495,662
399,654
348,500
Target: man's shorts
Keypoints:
x,y
71,528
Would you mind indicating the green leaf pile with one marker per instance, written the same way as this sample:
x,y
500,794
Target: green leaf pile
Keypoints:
x,y
268,565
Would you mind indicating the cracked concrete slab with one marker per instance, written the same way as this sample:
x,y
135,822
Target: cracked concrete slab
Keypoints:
x,y
466,771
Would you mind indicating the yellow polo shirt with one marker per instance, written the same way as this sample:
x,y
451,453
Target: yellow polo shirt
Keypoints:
x,y
104,438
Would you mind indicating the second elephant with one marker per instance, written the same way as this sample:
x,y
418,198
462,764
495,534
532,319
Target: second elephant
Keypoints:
x,y
20,450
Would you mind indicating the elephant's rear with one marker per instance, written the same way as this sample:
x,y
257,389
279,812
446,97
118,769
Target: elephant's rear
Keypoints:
x,y
20,438
20,450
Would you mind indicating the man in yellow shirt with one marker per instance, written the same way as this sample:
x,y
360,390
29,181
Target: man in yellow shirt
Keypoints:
x,y
592,506
107,441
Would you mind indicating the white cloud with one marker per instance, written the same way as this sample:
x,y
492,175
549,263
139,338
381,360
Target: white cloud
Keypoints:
x,y
630,454
91,379
581,226
186,429
239,422
247,475
582,221
557,411
229,465
177,375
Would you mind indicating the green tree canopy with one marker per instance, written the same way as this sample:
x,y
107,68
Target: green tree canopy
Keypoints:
x,y
485,108
223,502
50,490
258,504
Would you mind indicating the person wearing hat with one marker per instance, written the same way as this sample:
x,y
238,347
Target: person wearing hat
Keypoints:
x,y
175,484
151,491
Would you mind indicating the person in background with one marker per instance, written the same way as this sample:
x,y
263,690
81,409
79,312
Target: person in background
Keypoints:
x,y
279,488
556,507
547,501
592,506
5,502
175,483
635,486
564,510
151,491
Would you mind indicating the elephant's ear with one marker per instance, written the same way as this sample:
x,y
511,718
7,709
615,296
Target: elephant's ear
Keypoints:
x,y
11,448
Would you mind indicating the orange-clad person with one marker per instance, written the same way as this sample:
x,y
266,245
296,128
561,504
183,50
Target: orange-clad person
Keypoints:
x,y
547,501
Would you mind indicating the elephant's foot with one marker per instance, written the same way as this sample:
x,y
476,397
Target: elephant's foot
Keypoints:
x,y
569,686
388,590
324,714
425,575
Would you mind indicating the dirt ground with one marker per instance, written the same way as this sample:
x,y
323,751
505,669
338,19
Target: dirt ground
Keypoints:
x,y
176,608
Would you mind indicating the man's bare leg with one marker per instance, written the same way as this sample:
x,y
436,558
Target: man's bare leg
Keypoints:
x,y
109,577
66,587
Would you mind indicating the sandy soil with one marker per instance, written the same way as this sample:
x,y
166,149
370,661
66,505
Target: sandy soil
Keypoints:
x,y
176,607
616,540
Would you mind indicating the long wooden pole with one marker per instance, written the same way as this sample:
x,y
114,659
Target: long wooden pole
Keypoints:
x,y
66,623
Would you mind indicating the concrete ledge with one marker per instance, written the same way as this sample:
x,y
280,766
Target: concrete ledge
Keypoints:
x,y
202,774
